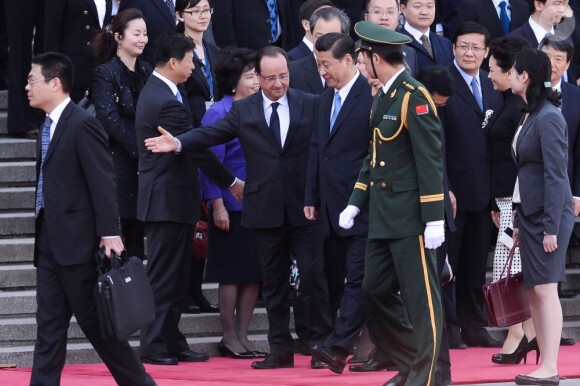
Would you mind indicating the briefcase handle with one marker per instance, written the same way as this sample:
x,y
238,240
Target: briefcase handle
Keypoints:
x,y
508,266
104,264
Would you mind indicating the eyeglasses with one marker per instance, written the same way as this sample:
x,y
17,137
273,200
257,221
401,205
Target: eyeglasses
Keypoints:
x,y
475,50
31,81
272,79
200,12
380,12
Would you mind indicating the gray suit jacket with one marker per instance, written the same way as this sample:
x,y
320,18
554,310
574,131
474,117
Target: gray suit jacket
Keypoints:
x,y
542,159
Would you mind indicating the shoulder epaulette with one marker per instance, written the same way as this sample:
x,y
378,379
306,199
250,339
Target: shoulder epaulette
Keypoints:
x,y
409,86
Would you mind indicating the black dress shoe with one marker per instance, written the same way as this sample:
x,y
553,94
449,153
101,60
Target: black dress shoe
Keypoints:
x,y
275,362
373,364
226,352
527,380
160,359
457,343
567,341
397,380
209,309
481,339
334,357
317,364
192,356
259,354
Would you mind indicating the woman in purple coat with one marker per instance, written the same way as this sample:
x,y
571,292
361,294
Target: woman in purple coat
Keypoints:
x,y
233,260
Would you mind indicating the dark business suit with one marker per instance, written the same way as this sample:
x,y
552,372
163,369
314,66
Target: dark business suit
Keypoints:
x,y
70,28
469,176
79,207
571,112
334,162
304,75
446,15
442,50
525,31
159,20
273,206
197,88
546,198
299,52
24,26
168,203
246,23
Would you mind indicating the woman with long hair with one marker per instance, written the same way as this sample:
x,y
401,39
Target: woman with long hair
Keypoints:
x,y
499,130
543,201
232,255
115,88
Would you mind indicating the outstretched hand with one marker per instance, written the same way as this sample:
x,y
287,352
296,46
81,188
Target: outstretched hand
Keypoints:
x,y
165,143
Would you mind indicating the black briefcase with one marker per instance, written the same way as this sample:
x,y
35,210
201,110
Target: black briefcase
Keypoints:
x,y
123,295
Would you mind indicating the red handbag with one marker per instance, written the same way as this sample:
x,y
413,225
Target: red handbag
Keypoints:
x,y
506,301
200,235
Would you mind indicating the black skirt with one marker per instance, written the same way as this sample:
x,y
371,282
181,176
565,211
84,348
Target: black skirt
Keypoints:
x,y
232,256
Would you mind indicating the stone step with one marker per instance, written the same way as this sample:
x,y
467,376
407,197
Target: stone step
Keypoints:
x,y
571,329
22,330
16,224
3,100
82,353
15,276
571,283
19,198
19,250
17,173
3,122
23,303
17,149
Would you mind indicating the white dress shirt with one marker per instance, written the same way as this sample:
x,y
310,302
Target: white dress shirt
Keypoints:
x,y
283,113
508,8
101,10
539,31
343,92
416,33
56,113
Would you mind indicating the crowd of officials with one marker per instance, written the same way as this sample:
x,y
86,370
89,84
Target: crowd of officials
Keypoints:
x,y
376,143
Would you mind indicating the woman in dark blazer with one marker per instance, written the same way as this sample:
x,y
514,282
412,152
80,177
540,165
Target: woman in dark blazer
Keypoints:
x,y
232,255
116,85
500,128
543,200
201,90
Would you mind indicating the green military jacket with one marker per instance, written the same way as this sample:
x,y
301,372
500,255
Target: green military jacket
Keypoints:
x,y
402,177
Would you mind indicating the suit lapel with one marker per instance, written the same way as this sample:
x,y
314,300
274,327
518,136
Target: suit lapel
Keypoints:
x,y
61,127
347,105
295,106
164,11
93,8
257,112
486,90
525,129
463,89
312,77
491,14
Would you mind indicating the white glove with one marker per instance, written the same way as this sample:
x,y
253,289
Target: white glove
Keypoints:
x,y
434,234
346,219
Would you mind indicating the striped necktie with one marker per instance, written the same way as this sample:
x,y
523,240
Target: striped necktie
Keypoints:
x,y
273,19
45,138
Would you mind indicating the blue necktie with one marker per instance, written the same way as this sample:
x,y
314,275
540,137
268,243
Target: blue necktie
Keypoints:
x,y
476,92
337,106
171,7
178,96
275,123
45,138
273,19
504,18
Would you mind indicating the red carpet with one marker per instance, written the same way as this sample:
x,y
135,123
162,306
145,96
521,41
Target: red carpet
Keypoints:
x,y
470,366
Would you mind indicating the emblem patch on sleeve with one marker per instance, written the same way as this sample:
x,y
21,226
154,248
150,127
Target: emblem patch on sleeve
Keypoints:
x,y
422,109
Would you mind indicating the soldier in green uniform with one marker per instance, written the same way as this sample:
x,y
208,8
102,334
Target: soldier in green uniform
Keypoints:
x,y
402,182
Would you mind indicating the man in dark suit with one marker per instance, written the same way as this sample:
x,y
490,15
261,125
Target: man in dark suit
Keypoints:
x,y
168,199
306,46
276,161
159,20
446,18
25,30
431,48
469,179
76,212
339,145
499,17
304,74
545,14
70,28
251,23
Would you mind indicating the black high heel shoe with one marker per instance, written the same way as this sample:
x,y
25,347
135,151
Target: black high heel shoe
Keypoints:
x,y
226,352
533,346
521,352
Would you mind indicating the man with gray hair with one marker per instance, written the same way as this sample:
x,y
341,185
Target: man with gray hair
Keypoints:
x,y
304,74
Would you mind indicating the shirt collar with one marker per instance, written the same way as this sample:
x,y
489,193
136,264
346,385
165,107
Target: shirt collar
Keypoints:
x,y
496,3
390,82
343,92
466,76
415,32
558,86
57,111
169,83
308,43
267,102
538,30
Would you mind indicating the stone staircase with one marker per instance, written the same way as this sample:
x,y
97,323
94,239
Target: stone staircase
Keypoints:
x,y
17,274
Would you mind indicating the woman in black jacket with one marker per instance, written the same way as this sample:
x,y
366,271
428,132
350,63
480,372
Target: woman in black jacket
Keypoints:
x,y
499,128
116,85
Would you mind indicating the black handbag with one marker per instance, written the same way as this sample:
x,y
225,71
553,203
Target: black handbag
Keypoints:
x,y
506,301
123,295
87,104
